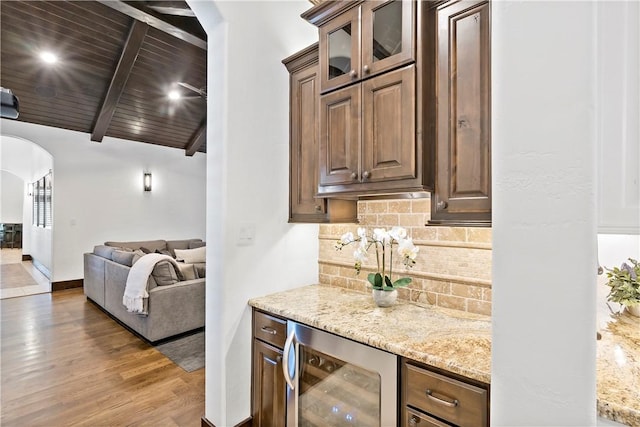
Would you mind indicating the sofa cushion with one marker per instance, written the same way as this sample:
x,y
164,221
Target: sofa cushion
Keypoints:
x,y
172,245
187,271
137,254
165,274
201,269
104,251
165,252
196,244
152,245
192,256
123,257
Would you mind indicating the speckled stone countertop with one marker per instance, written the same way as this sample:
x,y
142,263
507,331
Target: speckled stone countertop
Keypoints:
x,y
618,353
461,342
457,341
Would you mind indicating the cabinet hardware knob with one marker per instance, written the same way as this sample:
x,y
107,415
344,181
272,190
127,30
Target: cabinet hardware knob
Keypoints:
x,y
354,175
365,69
268,330
442,205
353,74
450,404
318,208
414,421
366,174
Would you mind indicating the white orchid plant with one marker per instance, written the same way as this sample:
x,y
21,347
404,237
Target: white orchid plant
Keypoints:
x,y
383,241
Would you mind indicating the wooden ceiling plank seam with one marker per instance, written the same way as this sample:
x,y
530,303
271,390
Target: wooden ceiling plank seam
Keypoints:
x,y
125,64
197,140
43,20
155,22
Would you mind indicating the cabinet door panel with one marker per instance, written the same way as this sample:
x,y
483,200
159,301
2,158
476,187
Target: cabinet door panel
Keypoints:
x,y
389,144
269,390
340,50
304,165
388,34
463,181
340,136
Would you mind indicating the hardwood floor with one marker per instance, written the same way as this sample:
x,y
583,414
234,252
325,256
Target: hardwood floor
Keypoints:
x,y
66,363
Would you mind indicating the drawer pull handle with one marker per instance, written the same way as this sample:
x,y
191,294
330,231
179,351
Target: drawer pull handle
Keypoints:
x,y
451,404
413,422
268,330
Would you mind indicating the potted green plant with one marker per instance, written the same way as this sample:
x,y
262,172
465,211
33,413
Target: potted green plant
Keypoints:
x,y
625,286
384,289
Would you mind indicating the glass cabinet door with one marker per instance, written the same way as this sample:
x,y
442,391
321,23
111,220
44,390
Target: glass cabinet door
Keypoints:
x,y
340,50
387,35
334,393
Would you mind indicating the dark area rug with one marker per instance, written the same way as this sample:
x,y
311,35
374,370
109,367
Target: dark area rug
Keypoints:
x,y
186,352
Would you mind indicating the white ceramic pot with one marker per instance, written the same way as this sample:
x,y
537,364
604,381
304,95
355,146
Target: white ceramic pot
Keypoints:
x,y
384,298
634,310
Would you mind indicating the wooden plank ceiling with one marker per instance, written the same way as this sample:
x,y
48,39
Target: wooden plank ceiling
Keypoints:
x,y
114,71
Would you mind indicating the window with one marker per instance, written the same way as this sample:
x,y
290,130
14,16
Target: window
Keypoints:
x,y
41,213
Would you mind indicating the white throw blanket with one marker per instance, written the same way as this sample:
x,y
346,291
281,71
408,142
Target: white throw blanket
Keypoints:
x,y
135,290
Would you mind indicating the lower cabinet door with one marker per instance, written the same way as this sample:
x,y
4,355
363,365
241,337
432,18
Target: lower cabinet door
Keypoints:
x,y
269,387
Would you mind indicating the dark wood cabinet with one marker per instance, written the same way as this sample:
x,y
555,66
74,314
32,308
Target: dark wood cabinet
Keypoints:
x,y
441,399
268,385
304,206
359,40
463,82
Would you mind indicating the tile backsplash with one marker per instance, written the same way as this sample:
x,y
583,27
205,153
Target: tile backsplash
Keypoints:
x,y
453,268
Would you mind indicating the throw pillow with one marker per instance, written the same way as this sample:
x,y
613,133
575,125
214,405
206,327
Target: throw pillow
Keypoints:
x,y
195,245
188,271
123,257
192,256
145,250
164,252
137,254
165,274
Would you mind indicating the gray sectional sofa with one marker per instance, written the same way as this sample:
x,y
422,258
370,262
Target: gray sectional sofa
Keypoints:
x,y
173,308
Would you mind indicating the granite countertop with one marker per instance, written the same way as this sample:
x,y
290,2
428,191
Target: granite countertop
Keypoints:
x,y
618,361
453,340
460,342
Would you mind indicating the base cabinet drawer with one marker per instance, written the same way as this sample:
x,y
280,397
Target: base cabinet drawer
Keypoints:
x,y
413,418
448,399
269,329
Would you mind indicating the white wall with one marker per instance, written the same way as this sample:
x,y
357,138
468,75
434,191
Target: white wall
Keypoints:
x,y
97,192
544,213
248,169
12,191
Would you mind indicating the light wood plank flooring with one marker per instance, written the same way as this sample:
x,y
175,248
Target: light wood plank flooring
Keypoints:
x,y
66,363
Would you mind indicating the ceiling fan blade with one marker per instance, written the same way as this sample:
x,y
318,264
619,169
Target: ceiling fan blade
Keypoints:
x,y
176,11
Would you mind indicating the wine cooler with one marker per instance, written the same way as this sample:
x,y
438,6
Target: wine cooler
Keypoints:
x,y
335,382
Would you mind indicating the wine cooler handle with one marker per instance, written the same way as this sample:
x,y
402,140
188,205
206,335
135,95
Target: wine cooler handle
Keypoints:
x,y
285,359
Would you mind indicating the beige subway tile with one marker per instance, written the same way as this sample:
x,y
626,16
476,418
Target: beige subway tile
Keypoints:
x,y
387,220
404,294
324,279
400,206
367,220
450,301
479,234
437,286
411,220
466,291
333,270
479,307
339,281
457,234
486,294
424,233
378,206
421,206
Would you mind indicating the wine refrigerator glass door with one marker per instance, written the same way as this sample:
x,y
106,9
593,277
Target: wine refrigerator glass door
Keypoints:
x,y
337,382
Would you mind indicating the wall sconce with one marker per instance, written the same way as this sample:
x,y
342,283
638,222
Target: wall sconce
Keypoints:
x,y
146,182
30,189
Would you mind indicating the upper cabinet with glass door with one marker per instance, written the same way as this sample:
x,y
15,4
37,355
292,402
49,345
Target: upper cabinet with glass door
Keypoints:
x,y
364,39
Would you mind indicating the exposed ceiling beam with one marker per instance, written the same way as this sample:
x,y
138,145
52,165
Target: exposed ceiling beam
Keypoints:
x,y
119,79
197,140
155,22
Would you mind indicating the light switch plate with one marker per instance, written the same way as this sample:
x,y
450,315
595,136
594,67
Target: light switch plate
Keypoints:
x,y
246,234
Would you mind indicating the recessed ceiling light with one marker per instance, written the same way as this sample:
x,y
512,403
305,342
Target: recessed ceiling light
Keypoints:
x,y
174,95
48,57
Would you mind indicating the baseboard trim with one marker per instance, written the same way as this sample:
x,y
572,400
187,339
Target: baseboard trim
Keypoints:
x,y
246,423
66,284
26,257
